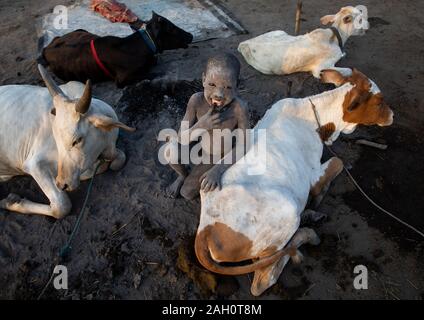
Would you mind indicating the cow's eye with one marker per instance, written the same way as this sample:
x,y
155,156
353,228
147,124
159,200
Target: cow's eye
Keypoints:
x,y
212,84
77,141
347,19
229,87
353,106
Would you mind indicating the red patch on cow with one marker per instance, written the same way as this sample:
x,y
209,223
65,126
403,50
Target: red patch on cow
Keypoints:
x,y
326,131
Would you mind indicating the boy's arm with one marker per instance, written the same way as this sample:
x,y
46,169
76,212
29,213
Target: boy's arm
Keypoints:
x,y
188,120
212,178
192,128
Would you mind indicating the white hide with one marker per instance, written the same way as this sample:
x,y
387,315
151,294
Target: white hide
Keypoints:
x,y
266,208
25,123
277,52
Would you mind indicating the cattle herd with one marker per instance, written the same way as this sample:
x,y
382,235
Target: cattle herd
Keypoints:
x,y
251,202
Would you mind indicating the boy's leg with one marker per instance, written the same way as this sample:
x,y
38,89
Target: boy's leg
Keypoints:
x,y
191,186
173,190
172,155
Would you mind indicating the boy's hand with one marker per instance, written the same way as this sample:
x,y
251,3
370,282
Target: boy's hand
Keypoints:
x,y
210,121
211,179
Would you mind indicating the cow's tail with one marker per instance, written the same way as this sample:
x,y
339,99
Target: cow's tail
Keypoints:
x,y
203,255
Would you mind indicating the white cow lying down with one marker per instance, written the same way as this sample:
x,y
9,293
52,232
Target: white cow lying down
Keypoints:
x,y
56,138
255,217
277,52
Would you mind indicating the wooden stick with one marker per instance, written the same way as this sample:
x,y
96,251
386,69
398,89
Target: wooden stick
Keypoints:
x,y
372,144
298,13
412,284
309,289
394,296
126,224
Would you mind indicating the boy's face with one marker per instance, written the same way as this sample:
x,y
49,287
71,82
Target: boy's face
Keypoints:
x,y
220,87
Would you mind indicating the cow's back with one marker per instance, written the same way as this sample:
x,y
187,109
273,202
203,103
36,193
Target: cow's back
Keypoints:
x,y
24,116
276,52
283,152
266,216
265,52
70,57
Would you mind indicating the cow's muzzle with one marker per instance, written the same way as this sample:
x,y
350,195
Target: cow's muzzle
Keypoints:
x,y
388,121
67,185
61,185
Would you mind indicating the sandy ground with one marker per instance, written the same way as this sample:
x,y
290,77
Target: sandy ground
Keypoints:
x,y
136,244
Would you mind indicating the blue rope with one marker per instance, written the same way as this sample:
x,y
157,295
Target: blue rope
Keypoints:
x,y
66,249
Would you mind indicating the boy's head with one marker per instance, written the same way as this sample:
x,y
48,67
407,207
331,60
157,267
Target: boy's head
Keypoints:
x,y
220,79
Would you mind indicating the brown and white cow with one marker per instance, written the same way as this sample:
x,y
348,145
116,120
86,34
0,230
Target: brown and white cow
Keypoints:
x,y
255,217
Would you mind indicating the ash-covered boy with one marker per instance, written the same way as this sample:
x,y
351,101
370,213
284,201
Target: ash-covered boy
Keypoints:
x,y
215,112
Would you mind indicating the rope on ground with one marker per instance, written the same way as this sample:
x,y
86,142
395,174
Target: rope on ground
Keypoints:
x,y
373,202
359,187
66,249
46,286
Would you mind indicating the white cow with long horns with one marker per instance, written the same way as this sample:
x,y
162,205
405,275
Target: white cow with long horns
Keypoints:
x,y
57,135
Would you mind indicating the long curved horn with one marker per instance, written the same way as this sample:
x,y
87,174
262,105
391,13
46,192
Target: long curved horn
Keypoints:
x,y
84,102
50,83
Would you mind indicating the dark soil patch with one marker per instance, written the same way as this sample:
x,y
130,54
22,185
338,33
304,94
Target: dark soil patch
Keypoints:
x,y
147,98
292,292
394,179
377,21
210,284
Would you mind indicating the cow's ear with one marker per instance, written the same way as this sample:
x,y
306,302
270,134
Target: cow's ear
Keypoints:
x,y
332,76
155,16
327,19
106,123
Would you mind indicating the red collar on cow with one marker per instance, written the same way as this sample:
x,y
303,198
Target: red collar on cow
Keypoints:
x,y
98,61
336,32
147,38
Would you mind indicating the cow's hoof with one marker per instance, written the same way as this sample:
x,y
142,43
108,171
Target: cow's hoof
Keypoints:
x,y
11,199
312,216
297,258
313,238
